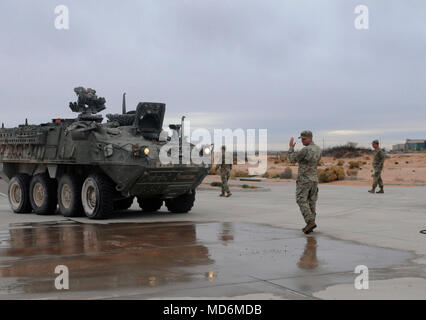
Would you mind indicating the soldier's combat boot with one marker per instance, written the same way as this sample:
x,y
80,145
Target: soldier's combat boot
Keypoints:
x,y
373,190
309,227
222,195
229,194
381,190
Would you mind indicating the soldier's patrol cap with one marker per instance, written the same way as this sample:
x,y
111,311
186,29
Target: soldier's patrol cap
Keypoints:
x,y
306,134
375,141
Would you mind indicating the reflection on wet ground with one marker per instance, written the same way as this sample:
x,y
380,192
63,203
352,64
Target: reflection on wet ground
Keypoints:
x,y
175,256
308,259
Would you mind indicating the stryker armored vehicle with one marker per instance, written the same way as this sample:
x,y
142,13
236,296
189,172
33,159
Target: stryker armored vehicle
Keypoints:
x,y
86,166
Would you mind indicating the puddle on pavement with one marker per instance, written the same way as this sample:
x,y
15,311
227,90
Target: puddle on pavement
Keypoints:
x,y
111,256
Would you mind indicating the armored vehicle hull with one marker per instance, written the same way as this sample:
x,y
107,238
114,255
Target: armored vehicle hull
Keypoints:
x,y
83,166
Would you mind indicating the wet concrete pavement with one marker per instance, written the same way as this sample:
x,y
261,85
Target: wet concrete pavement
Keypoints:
x,y
179,260
246,246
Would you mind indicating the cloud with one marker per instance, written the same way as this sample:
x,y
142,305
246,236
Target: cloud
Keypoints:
x,y
349,132
282,65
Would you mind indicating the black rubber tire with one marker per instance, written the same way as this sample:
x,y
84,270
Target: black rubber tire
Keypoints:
x,y
123,204
23,181
104,192
50,202
181,204
74,183
150,204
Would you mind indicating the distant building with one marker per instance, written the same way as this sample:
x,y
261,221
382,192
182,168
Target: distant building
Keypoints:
x,y
411,145
398,147
415,144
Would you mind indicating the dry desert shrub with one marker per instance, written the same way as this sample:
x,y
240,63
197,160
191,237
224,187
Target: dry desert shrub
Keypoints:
x,y
341,163
216,184
246,186
284,159
330,174
287,174
267,175
354,164
271,175
239,173
352,172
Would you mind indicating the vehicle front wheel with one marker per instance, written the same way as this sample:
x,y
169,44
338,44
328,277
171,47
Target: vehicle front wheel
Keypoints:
x,y
97,197
19,193
43,196
181,204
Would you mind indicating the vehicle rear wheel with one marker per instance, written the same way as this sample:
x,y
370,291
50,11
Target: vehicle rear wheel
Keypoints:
x,y
97,196
19,193
43,196
123,204
150,204
181,204
69,196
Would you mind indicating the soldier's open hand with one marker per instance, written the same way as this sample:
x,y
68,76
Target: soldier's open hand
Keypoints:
x,y
292,143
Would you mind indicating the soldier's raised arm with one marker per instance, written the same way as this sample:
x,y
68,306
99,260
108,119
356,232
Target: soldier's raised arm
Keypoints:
x,y
295,156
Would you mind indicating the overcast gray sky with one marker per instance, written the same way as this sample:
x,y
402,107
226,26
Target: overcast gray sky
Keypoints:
x,y
284,65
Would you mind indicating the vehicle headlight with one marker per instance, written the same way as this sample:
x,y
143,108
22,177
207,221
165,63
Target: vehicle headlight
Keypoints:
x,y
146,151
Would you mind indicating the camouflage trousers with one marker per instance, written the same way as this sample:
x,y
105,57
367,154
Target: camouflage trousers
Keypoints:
x,y
377,178
306,198
224,174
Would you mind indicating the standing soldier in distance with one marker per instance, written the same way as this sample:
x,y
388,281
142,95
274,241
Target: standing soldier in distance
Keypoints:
x,y
379,159
307,180
225,172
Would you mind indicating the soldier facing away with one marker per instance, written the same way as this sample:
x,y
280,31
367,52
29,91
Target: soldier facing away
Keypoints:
x,y
307,180
225,172
379,159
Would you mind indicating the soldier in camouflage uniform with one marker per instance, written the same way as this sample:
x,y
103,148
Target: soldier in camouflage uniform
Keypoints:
x,y
307,180
379,159
225,172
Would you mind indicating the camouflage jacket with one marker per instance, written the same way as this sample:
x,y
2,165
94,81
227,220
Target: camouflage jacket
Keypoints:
x,y
379,159
308,159
223,165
